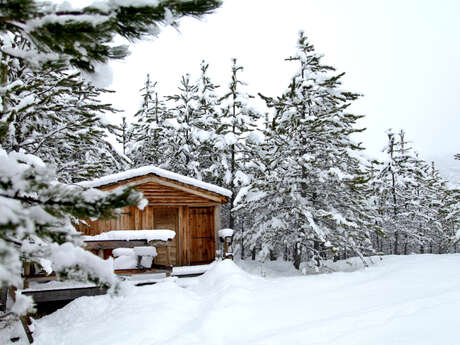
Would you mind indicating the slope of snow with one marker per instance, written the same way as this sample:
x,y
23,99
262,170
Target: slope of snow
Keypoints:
x,y
399,300
150,169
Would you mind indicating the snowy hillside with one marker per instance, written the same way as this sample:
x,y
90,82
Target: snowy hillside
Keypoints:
x,y
400,300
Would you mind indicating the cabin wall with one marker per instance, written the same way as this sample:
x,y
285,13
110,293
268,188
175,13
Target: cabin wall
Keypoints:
x,y
131,218
194,218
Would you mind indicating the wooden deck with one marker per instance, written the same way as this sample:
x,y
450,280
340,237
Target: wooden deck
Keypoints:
x,y
138,277
64,294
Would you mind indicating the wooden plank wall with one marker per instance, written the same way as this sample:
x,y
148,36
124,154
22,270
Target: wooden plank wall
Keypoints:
x,y
184,233
163,195
166,218
152,217
168,208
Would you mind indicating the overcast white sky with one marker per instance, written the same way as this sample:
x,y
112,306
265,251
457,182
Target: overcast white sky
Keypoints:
x,y
403,56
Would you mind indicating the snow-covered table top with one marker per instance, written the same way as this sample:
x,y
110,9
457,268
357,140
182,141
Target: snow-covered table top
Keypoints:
x,y
130,235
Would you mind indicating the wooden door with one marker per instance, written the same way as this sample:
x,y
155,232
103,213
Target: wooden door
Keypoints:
x,y
166,219
201,227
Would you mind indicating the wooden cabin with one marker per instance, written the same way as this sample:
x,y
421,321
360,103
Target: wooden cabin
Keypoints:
x,y
189,207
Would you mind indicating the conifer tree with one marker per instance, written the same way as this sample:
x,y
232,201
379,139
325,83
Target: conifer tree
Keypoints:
x,y
238,120
312,194
396,191
36,223
149,135
57,116
182,150
208,124
36,209
83,37
124,134
413,201
444,213
450,215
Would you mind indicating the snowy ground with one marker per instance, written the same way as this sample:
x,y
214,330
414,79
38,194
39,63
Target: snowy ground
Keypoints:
x,y
400,300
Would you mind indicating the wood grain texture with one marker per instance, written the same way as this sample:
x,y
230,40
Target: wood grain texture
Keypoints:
x,y
41,296
201,224
194,215
167,218
136,181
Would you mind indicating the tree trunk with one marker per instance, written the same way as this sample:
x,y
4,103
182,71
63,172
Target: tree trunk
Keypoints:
x,y
297,256
242,240
395,247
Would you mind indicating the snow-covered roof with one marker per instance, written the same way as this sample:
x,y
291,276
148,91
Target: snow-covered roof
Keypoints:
x,y
150,169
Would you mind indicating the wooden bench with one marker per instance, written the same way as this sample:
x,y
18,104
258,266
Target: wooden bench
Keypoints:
x,y
101,245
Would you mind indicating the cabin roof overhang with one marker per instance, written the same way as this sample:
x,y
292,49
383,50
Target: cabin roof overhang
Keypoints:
x,y
134,177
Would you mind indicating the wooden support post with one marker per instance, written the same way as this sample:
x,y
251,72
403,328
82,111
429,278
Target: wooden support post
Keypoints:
x,y
168,256
227,248
26,266
25,320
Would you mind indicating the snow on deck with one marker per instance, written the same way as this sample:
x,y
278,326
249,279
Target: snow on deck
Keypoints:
x,y
58,285
130,235
411,300
150,169
185,270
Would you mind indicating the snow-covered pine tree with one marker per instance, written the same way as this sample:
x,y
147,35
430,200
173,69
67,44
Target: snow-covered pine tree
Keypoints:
x,y
36,223
445,207
312,195
255,199
59,36
208,123
374,188
57,116
37,210
412,196
149,135
238,120
451,217
182,153
83,37
396,190
427,189
123,134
